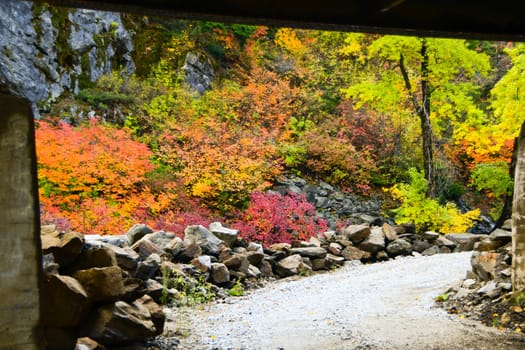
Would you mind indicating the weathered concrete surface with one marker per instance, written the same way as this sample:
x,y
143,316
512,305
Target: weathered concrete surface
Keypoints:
x,y
518,218
19,239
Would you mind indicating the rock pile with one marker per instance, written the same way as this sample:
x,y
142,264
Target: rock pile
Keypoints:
x,y
107,289
91,295
486,293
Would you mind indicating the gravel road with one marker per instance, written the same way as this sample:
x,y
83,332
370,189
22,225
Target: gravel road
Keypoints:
x,y
380,306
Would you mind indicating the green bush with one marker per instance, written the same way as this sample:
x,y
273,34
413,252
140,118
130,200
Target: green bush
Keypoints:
x,y
492,177
426,213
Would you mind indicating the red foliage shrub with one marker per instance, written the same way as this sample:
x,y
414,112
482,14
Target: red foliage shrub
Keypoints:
x,y
273,218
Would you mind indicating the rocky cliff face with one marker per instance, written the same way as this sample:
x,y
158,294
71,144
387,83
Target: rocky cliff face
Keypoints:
x,y
46,51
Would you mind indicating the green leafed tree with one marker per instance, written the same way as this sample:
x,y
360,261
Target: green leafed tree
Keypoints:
x,y
435,80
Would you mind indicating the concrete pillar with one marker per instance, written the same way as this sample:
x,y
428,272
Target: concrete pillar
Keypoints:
x,y
518,218
20,253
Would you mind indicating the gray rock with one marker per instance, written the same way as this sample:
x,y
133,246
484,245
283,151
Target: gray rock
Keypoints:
x,y
200,235
353,253
374,242
160,238
430,235
490,289
253,272
443,241
335,249
219,273
126,257
501,235
431,251
469,283
420,246
465,241
227,235
291,265
389,232
199,72
120,324
149,267
310,252
136,232
399,247
102,283
144,247
357,233
484,265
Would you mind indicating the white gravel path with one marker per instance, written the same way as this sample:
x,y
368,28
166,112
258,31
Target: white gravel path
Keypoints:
x,y
379,306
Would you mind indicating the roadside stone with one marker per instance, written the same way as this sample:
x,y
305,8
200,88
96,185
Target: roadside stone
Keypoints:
x,y
120,324
335,249
465,241
389,232
266,268
149,267
255,257
420,245
291,265
443,241
276,247
66,249
203,263
157,315
126,257
353,253
154,289
356,233
430,236
488,244
334,260
484,265
431,251
501,235
144,247
399,247
102,283
219,273
160,238
253,272
134,288
94,256
382,256
64,302
310,252
374,242
255,247
86,343
136,232
227,235
209,243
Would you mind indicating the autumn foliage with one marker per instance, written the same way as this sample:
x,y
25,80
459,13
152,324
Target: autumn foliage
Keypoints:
x,y
273,218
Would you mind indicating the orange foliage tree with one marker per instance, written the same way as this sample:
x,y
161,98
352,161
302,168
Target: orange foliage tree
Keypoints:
x,y
96,178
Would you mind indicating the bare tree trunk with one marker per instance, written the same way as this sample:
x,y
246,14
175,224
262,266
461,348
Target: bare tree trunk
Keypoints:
x,y
518,218
423,111
506,212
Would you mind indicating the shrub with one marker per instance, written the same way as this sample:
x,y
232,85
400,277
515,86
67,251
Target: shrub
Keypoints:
x,y
426,213
273,218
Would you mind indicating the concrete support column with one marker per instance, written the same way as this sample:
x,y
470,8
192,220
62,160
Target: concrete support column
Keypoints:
x,y
518,218
20,253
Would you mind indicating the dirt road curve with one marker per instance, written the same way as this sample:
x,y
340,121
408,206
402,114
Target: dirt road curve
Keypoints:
x,y
381,306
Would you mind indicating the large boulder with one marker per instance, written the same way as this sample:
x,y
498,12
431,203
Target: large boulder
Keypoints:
x,y
102,283
465,241
291,265
399,247
149,267
227,235
65,247
157,315
94,255
137,232
160,238
390,232
484,265
65,302
374,242
356,233
200,235
120,323
126,258
219,273
310,252
144,247
353,253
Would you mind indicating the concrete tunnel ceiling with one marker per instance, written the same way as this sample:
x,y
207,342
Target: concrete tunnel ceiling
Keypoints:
x,y
490,20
